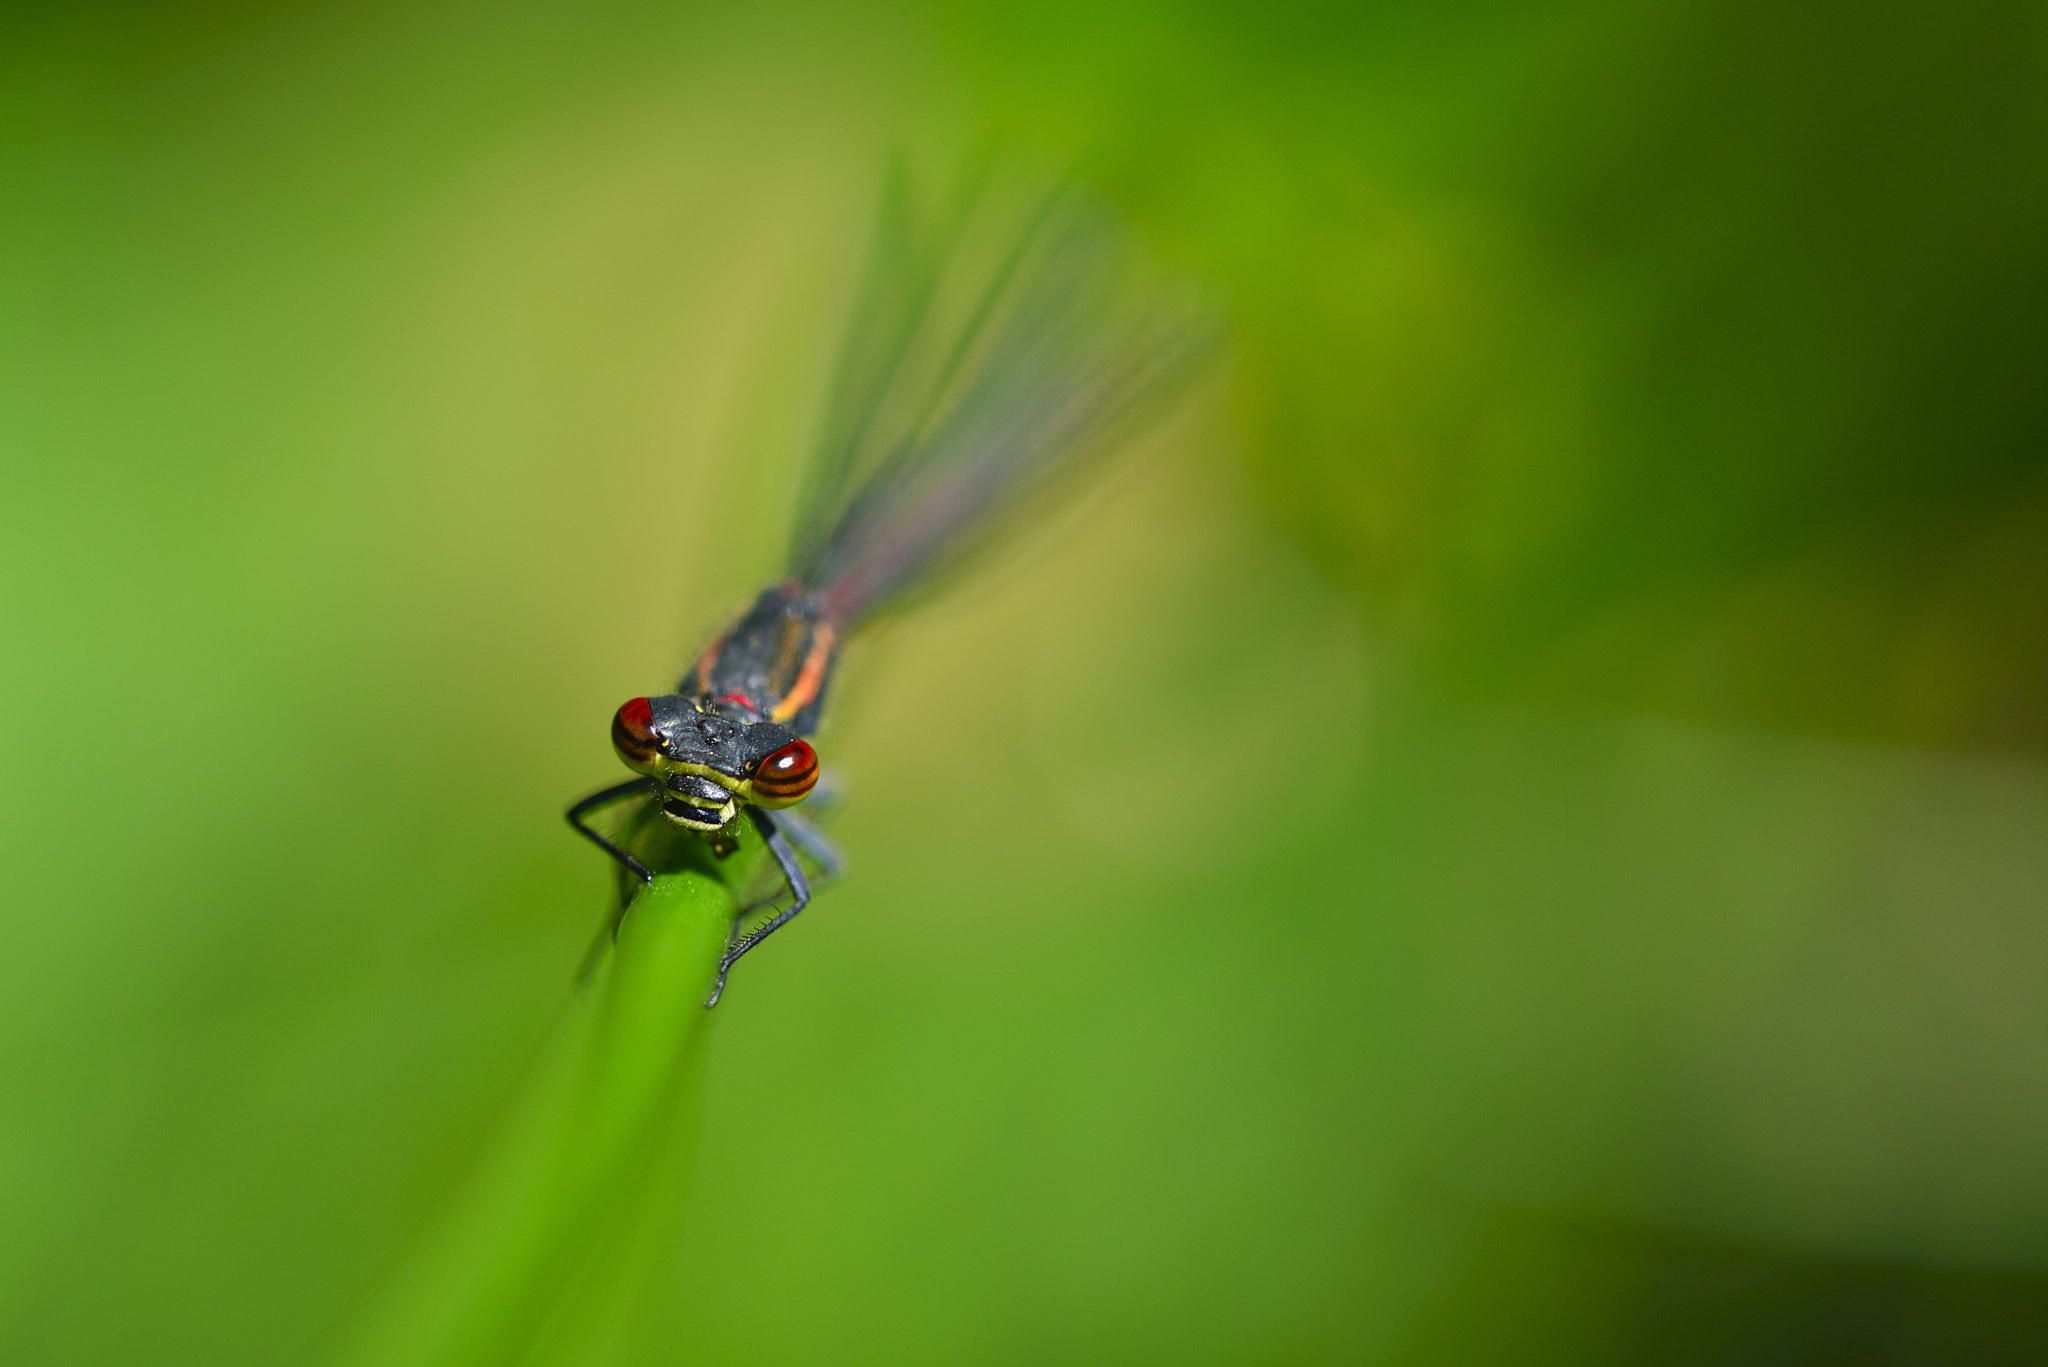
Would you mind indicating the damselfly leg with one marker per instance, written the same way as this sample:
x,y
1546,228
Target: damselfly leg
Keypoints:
x,y
799,891
618,792
805,835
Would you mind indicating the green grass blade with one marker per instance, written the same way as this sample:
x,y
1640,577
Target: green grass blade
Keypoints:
x,y
552,1245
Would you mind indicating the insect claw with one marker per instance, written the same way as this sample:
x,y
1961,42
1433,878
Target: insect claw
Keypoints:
x,y
718,987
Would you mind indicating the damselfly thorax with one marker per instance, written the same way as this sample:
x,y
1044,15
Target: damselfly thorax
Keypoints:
x,y
772,664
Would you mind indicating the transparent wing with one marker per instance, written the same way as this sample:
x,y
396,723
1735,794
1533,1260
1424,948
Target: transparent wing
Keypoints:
x,y
997,340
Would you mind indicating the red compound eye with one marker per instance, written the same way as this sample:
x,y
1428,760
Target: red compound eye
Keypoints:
x,y
633,732
786,777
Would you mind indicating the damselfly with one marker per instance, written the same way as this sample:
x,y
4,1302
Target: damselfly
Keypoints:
x,y
986,356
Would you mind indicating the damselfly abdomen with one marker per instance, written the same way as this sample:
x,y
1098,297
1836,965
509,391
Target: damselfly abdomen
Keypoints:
x,y
986,356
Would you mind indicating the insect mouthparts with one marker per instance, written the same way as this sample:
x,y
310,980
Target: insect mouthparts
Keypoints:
x,y
698,788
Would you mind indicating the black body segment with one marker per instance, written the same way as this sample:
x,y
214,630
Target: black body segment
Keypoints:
x,y
773,663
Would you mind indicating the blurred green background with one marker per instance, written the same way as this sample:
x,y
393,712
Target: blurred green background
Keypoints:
x,y
1516,830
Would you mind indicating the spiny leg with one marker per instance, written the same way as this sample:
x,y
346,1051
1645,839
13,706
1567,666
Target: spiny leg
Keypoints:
x,y
799,890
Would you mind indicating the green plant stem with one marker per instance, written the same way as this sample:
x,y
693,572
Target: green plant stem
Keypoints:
x,y
558,1234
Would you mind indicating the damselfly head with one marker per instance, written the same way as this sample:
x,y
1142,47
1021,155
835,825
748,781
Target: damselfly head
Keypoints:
x,y
708,762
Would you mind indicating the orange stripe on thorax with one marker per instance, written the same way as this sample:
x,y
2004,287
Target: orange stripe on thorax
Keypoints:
x,y
810,678
709,660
